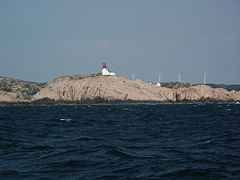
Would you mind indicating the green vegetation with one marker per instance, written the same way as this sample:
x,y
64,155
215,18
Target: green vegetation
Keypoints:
x,y
227,87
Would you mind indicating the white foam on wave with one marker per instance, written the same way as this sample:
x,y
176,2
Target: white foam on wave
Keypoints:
x,y
206,141
65,120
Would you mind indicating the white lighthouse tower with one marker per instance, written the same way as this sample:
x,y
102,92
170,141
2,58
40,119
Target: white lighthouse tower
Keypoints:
x,y
105,71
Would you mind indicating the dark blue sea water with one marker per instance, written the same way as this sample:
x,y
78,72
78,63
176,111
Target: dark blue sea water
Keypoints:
x,y
120,142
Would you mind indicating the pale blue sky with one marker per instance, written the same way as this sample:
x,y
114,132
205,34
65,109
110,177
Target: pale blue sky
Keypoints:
x,y
41,39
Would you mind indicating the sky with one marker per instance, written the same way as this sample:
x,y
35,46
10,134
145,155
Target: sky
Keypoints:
x,y
42,39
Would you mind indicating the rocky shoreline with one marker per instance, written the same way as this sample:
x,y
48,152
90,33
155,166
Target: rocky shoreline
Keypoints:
x,y
98,90
83,103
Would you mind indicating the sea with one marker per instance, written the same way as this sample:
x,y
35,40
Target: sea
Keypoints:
x,y
181,141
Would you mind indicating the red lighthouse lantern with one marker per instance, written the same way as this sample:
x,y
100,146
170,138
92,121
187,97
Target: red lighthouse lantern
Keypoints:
x,y
104,65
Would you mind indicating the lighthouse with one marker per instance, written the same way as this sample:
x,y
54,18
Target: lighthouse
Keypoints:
x,y
105,71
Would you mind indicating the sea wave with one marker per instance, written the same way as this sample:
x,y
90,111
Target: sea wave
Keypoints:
x,y
120,142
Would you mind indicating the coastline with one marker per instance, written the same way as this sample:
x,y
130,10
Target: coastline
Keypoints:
x,y
96,89
48,102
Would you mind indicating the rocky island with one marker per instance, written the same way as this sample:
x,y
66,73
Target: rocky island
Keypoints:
x,y
15,90
95,88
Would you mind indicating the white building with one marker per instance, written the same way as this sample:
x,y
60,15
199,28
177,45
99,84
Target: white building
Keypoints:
x,y
105,71
158,84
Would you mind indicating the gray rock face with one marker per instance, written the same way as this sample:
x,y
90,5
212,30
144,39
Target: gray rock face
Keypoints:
x,y
18,89
176,85
105,87
201,92
10,97
79,88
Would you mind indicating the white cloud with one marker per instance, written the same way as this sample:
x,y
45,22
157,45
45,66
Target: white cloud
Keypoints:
x,y
103,42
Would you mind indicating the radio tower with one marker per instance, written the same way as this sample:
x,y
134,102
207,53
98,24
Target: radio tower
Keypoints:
x,y
159,80
179,78
204,78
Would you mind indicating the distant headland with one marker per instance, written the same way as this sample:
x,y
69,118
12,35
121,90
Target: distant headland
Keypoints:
x,y
110,89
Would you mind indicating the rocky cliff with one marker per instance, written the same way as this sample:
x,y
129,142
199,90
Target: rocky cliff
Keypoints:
x,y
18,90
207,93
80,88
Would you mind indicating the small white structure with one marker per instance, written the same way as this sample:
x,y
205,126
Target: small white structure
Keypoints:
x,y
158,84
105,71
159,80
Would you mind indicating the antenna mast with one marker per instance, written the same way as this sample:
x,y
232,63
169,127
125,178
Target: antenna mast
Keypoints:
x,y
179,78
159,78
204,78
